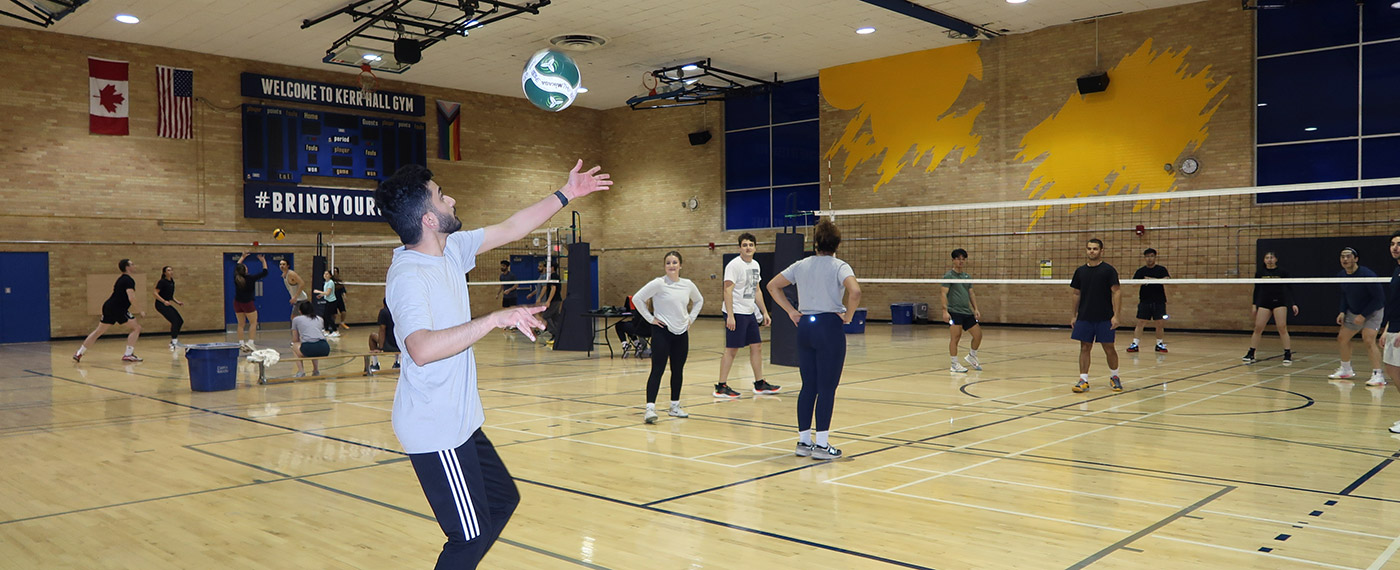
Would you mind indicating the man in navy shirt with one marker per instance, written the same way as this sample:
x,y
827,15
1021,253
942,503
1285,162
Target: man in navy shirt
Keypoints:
x,y
1361,308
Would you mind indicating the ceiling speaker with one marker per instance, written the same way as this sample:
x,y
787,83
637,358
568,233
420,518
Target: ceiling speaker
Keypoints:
x,y
699,137
1093,83
408,50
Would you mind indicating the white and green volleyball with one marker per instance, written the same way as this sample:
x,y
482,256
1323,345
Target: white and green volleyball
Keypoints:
x,y
551,80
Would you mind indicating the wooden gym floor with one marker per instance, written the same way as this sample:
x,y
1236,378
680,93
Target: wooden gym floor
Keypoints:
x,y
1202,462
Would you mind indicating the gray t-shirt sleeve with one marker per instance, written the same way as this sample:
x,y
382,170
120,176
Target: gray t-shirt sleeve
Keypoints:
x,y
408,302
462,248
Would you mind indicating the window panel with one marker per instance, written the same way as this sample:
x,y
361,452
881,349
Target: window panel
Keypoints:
x,y
1307,25
1308,162
744,112
1312,90
796,153
1379,21
1380,93
746,159
1380,158
747,209
796,101
794,199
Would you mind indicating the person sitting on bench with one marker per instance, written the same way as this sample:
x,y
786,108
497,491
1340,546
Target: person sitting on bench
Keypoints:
x,y
308,338
383,340
632,331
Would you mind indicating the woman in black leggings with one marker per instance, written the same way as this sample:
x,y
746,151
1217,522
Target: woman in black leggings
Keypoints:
x,y
165,304
670,331
822,281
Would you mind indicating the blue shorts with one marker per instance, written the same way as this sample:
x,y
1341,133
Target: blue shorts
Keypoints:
x,y
744,334
1093,331
316,348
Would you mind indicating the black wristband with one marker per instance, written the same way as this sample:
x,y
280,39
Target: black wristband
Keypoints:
x,y
563,200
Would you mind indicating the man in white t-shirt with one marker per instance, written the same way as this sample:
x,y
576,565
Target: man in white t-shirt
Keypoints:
x,y
744,311
437,412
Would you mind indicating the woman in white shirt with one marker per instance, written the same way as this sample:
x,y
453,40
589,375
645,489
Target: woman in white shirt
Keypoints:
x,y
662,302
308,338
822,282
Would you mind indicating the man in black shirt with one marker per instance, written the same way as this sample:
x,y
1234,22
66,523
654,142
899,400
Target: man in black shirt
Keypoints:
x,y
116,311
1096,303
1152,300
383,340
507,293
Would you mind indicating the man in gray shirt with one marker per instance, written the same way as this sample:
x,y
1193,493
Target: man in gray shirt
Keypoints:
x,y
437,412
961,313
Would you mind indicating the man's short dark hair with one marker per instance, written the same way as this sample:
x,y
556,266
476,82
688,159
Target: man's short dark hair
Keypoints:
x,y
403,199
826,237
1395,235
747,236
960,253
1149,251
123,264
505,263
1097,241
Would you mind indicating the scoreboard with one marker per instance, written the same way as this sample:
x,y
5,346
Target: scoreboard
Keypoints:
x,y
282,145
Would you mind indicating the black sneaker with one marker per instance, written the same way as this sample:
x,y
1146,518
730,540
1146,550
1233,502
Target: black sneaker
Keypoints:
x,y
1249,357
724,391
374,367
823,453
1133,347
1287,357
763,387
1161,348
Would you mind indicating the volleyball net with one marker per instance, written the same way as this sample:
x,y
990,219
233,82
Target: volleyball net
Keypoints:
x,y
1209,236
542,245
1212,241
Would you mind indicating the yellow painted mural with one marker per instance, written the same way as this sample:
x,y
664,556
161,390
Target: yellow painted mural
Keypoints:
x,y
1118,141
904,104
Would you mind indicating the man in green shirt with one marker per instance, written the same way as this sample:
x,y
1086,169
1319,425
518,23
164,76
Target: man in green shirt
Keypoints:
x,y
961,314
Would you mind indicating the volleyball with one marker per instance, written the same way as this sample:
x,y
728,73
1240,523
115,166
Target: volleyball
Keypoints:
x,y
550,80
278,233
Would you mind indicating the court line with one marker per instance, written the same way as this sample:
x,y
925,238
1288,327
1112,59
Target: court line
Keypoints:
x,y
1264,555
1369,474
1150,529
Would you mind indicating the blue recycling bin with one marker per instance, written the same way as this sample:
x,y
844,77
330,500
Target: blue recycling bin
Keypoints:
x,y
902,314
857,324
213,366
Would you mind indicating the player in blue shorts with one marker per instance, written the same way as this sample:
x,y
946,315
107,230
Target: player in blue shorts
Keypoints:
x,y
1096,302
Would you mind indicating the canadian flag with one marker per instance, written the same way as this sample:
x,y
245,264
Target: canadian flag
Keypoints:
x,y
107,97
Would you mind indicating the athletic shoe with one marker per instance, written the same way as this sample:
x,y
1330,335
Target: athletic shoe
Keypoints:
x,y
1287,357
1342,373
972,362
345,326
131,358
244,348
77,357
1395,428
763,387
1115,384
805,449
1376,380
1081,386
299,375
649,416
396,364
1249,357
1133,347
374,367
626,346
827,452
955,367
724,391
1161,348
677,412
173,344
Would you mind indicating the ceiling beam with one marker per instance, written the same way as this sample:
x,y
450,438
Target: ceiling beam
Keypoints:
x,y
927,14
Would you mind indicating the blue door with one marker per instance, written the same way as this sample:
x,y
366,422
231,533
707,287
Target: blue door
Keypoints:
x,y
24,297
272,299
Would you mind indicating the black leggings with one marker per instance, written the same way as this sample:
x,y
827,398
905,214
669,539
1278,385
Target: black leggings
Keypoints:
x,y
821,354
172,315
665,345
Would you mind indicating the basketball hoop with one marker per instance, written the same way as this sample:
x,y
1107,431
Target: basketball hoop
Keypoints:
x,y
367,80
651,89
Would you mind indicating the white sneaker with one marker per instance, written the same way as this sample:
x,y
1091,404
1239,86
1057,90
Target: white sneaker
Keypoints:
x,y
1395,428
1377,380
972,362
677,412
1342,373
955,367
649,416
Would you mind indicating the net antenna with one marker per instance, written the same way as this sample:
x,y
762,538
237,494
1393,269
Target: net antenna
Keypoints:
x,y
367,80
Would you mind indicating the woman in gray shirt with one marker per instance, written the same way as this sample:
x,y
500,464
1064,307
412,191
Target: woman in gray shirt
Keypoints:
x,y
822,281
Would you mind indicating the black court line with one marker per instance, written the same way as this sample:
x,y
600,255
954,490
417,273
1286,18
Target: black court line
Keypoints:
x,y
1149,530
1369,474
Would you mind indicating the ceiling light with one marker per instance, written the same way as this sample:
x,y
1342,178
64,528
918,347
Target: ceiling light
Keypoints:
x,y
372,57
1263,105
1395,5
127,19
865,30
690,67
1310,129
1015,1
582,89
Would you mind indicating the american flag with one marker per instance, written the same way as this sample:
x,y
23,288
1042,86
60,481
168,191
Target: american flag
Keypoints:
x,y
176,89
